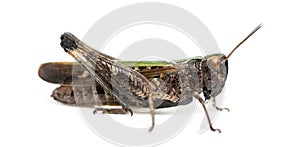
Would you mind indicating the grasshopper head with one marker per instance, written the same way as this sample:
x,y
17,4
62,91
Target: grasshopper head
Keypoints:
x,y
215,71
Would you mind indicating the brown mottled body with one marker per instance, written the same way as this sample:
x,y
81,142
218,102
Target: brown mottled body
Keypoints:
x,y
84,84
103,80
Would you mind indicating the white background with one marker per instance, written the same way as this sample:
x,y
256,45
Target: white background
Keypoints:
x,y
261,91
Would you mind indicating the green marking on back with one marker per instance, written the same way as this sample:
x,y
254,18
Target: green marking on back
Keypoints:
x,y
157,63
145,63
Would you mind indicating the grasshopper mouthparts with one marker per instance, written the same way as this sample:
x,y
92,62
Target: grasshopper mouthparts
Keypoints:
x,y
68,41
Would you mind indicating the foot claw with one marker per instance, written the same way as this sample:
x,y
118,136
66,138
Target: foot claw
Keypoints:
x,y
218,130
131,113
211,128
128,110
221,109
151,128
96,110
227,109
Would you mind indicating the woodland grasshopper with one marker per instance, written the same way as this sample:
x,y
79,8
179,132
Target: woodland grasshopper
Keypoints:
x,y
146,84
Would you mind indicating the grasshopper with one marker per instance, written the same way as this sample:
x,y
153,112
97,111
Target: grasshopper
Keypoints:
x,y
98,79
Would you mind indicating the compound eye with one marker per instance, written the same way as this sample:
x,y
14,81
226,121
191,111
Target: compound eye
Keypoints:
x,y
214,63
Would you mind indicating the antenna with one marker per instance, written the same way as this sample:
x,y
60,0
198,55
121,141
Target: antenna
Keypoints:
x,y
258,27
